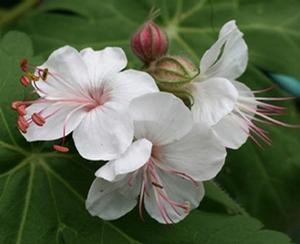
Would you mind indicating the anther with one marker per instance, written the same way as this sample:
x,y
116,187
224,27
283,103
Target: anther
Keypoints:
x,y
22,124
45,74
21,109
23,64
157,185
15,104
38,119
60,148
25,81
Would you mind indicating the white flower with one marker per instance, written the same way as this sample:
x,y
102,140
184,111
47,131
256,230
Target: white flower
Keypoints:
x,y
86,93
164,166
226,105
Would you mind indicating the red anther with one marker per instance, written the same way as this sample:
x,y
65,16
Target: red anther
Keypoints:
x,y
25,81
38,119
22,124
23,64
15,104
21,109
60,148
23,120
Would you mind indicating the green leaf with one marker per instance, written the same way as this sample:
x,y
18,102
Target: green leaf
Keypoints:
x,y
204,228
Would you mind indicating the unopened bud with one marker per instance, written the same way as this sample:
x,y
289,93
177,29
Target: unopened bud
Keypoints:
x,y
150,42
173,71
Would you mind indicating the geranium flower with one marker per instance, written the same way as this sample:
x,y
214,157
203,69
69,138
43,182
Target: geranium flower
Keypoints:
x,y
86,93
164,166
229,107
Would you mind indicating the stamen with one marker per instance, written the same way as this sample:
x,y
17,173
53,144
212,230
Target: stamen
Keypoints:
x,y
275,98
253,128
141,201
157,185
15,104
61,148
269,118
178,173
22,124
266,89
38,119
23,64
249,108
44,74
25,81
33,77
21,109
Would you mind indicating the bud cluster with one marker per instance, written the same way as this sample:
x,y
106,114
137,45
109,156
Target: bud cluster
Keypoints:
x,y
171,73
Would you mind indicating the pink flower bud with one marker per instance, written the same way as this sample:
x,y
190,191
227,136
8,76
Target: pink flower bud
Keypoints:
x,y
150,42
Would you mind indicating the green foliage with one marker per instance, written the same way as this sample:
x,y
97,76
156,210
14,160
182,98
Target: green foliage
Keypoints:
x,y
42,193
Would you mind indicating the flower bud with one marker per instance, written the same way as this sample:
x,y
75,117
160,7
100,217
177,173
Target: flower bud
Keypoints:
x,y
173,71
150,42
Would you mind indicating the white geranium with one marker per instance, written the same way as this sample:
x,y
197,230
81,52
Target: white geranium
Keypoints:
x,y
229,107
164,166
86,93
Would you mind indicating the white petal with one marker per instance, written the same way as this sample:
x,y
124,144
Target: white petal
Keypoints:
x,y
245,92
232,131
243,89
228,57
62,117
109,200
67,74
130,84
160,117
134,158
103,63
199,154
105,133
213,99
177,189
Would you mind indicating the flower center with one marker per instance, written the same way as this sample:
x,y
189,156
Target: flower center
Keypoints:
x,y
151,178
99,97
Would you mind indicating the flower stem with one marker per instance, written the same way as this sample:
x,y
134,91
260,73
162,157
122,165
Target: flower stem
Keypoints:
x,y
12,15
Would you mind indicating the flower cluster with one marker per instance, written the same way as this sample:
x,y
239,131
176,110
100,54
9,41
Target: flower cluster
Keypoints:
x,y
163,130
